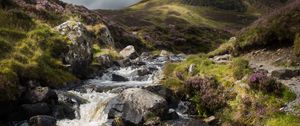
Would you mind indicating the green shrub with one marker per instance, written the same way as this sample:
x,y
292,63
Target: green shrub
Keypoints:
x,y
240,68
297,45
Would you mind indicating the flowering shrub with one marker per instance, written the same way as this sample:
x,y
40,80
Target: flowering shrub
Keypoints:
x,y
209,94
260,81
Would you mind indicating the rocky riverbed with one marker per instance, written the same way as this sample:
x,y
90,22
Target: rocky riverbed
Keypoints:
x,y
127,93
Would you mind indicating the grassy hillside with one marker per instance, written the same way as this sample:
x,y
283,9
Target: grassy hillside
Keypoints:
x,y
178,26
226,92
30,50
275,30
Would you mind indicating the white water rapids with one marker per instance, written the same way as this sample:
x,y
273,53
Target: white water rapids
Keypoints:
x,y
95,111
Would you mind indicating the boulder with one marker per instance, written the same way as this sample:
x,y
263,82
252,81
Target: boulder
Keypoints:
x,y
285,73
79,55
165,93
42,120
192,69
63,112
128,52
222,59
134,109
104,60
40,94
118,78
164,53
36,109
123,63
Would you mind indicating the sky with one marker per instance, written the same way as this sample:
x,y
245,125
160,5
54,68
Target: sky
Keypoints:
x,y
103,4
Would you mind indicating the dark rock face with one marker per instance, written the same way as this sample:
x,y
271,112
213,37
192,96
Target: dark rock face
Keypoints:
x,y
36,109
63,112
285,73
134,109
79,55
42,120
40,94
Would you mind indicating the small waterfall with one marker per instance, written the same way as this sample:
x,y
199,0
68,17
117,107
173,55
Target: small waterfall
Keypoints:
x,y
95,111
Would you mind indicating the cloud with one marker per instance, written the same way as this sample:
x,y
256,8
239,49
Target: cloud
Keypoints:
x,y
103,4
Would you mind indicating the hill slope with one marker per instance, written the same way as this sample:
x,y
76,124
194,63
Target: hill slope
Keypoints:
x,y
178,26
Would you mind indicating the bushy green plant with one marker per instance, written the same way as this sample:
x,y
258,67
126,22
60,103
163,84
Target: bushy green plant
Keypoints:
x,y
240,68
208,93
260,81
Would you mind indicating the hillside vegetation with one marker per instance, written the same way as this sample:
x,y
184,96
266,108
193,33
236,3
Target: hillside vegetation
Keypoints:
x,y
275,30
178,26
30,50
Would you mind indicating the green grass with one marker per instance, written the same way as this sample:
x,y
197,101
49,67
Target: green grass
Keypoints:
x,y
297,45
284,120
245,106
29,50
240,68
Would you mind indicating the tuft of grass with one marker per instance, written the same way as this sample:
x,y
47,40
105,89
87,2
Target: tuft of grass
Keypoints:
x,y
33,55
297,45
97,51
240,68
283,120
225,48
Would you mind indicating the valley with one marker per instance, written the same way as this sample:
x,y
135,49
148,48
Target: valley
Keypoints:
x,y
150,62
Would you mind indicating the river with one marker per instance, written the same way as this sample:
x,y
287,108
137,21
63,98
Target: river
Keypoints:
x,y
100,90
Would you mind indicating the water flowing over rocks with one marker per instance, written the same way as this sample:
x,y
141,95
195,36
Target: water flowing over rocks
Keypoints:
x,y
79,55
128,94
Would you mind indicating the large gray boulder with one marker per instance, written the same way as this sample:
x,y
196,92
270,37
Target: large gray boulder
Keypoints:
x,y
128,52
135,105
79,55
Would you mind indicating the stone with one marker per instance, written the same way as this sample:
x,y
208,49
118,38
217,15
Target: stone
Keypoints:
x,y
164,53
104,60
285,73
209,119
42,120
223,57
192,69
123,63
172,115
153,121
79,55
36,109
40,94
165,93
135,108
128,52
118,78
63,112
